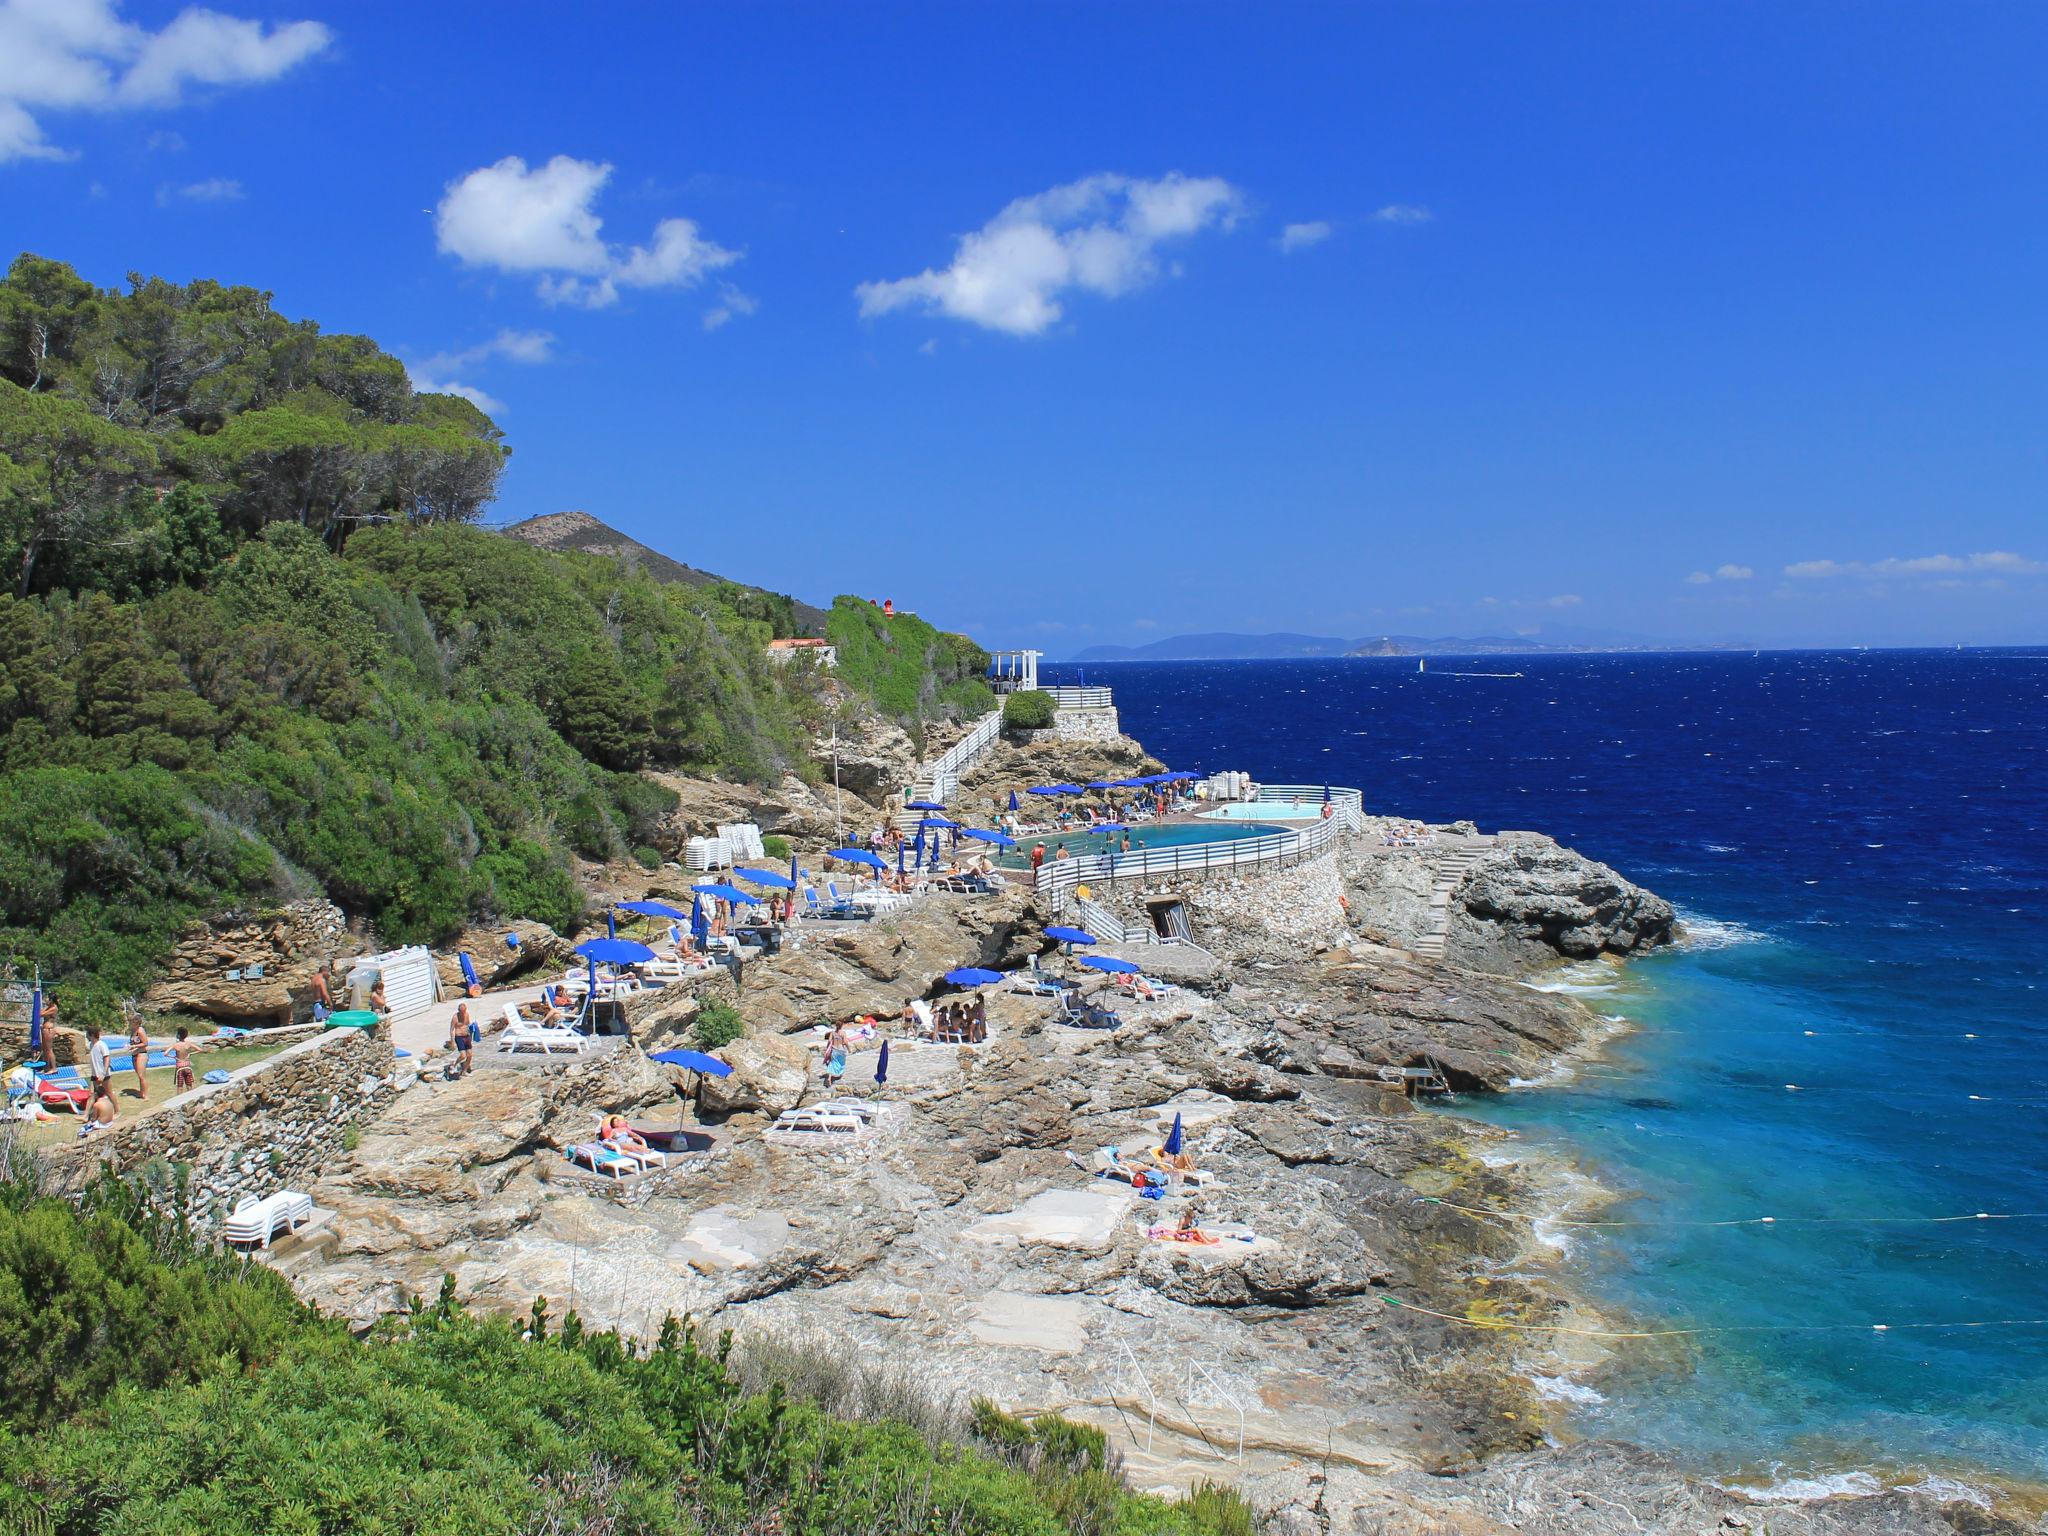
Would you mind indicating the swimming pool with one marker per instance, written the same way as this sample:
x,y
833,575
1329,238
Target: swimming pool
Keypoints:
x,y
1266,810
1178,834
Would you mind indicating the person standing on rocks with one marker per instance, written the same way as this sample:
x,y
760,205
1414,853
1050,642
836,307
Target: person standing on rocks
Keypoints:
x,y
459,1040
835,1055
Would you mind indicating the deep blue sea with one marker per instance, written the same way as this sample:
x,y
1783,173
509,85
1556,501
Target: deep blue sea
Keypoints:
x,y
1858,1030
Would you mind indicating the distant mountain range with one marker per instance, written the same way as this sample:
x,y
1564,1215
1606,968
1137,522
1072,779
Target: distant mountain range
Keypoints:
x,y
581,531
1232,647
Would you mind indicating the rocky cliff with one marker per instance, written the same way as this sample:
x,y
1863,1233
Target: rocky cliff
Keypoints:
x,y
1529,899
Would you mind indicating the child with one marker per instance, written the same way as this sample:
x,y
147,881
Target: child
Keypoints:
x,y
181,1055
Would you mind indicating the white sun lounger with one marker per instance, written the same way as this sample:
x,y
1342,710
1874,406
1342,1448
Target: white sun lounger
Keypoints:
x,y
599,1158
549,1037
257,1221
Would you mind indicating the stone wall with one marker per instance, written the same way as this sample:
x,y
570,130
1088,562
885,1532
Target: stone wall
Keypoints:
x,y
272,1125
1086,725
1248,915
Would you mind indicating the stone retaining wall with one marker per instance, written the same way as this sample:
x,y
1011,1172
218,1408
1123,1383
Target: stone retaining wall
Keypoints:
x,y
1243,915
270,1126
1086,725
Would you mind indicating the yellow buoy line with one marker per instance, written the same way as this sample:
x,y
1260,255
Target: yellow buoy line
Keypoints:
x,y
1498,1325
1740,1221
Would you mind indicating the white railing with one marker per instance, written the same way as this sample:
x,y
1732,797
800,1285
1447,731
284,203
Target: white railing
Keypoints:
x,y
942,778
1235,853
1080,698
1349,803
1100,921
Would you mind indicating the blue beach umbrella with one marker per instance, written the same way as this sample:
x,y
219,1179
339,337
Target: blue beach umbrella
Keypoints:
x,y
611,923
773,879
857,856
899,858
1046,789
1105,783
731,893
882,1065
1172,1148
972,976
1112,827
1070,935
651,908
700,925
1326,794
1111,964
924,805
792,869
1000,839
1013,799
35,1018
694,1061
939,823
615,952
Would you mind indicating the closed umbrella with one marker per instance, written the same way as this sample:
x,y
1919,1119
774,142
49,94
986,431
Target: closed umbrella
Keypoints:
x,y
1326,794
35,1018
700,925
1172,1148
611,924
1013,800
882,1065
899,856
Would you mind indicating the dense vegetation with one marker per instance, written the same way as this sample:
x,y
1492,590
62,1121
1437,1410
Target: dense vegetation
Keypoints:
x,y
912,671
251,645
1029,709
161,1388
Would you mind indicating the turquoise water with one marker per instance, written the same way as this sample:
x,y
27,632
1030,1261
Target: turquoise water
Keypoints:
x,y
1858,1032
1266,812
1142,835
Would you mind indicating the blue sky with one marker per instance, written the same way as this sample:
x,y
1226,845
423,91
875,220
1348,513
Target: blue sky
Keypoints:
x,y
1069,325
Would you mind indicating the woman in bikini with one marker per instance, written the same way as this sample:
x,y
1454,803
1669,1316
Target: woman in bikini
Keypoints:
x,y
181,1055
138,1053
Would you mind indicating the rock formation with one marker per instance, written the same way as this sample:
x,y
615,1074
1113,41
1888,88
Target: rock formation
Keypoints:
x,y
1529,896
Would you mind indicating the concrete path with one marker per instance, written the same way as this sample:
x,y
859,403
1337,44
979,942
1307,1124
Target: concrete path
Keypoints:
x,y
427,1030
1450,860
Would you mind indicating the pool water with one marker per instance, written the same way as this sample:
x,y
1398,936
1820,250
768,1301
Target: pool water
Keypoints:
x,y
1265,811
1080,842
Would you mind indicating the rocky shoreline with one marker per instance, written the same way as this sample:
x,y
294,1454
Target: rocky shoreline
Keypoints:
x,y
1349,1362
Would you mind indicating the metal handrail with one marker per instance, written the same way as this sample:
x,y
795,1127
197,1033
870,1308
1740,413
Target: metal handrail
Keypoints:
x,y
943,777
1070,697
1232,853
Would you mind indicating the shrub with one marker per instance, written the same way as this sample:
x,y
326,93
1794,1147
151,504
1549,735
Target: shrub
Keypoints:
x,y
647,858
1031,709
717,1023
776,847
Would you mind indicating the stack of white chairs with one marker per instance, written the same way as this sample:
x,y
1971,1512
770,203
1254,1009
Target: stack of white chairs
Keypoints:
x,y
257,1221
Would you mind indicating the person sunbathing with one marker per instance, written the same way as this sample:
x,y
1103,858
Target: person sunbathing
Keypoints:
x,y
615,1131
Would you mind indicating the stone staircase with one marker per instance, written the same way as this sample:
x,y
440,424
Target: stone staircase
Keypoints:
x,y
1448,865
939,780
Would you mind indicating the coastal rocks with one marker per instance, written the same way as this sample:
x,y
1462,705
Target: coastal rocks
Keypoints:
x,y
1529,897
873,759
769,1075
791,808
209,972
1012,765
874,966
498,963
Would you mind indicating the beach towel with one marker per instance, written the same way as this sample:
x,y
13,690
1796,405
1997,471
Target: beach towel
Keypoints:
x,y
217,1075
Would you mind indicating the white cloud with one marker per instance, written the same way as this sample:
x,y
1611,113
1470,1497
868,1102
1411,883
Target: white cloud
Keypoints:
x,y
732,304
1098,235
1728,572
215,189
1564,600
1299,237
435,375
1996,562
80,56
541,220
1404,213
